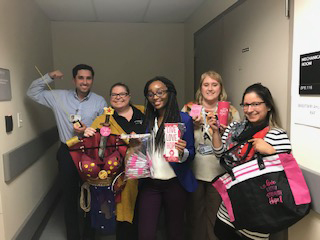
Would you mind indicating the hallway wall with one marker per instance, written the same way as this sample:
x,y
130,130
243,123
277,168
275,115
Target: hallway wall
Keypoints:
x,y
207,12
131,53
25,41
305,139
262,28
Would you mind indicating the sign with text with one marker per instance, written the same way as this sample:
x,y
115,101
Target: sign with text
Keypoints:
x,y
5,86
310,73
307,112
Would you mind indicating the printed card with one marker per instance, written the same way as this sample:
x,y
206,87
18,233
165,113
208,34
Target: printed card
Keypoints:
x,y
171,135
195,110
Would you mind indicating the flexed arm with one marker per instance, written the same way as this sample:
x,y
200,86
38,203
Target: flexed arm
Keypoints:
x,y
37,90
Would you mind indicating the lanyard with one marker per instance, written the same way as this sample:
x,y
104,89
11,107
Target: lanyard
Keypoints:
x,y
206,126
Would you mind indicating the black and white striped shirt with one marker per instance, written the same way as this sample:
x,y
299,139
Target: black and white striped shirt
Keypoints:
x,y
277,138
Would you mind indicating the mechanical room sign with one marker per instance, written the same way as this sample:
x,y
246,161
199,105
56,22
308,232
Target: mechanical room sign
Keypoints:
x,y
310,73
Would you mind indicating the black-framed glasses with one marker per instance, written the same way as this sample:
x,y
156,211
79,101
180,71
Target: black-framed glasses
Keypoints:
x,y
122,94
253,105
158,93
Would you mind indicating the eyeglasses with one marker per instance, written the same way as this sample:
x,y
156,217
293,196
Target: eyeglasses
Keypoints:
x,y
158,93
253,105
122,94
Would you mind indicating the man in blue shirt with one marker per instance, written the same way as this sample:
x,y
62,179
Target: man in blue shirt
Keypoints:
x,y
70,106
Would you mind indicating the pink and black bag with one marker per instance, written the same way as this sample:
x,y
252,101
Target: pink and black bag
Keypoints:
x,y
266,194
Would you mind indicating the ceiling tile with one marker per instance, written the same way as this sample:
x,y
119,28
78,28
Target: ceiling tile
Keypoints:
x,y
68,10
171,10
162,11
121,10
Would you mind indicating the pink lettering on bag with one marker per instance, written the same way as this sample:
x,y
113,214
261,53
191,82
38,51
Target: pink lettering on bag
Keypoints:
x,y
273,194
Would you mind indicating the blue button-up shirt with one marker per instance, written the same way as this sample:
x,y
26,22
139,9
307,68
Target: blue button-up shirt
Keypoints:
x,y
64,103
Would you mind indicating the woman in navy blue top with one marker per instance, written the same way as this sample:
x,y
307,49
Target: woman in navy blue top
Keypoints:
x,y
170,181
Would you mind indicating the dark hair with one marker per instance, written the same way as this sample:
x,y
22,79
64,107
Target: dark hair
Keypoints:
x,y
265,94
171,114
82,67
121,85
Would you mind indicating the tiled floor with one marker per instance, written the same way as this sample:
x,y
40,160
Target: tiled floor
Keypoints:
x,y
55,229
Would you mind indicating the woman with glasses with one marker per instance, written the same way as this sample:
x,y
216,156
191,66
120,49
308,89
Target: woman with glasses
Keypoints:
x,y
170,181
261,122
127,118
203,204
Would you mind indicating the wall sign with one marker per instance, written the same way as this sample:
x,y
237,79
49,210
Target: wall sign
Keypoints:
x,y
310,73
5,86
307,112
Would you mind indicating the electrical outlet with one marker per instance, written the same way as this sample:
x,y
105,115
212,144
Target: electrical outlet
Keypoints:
x,y
19,119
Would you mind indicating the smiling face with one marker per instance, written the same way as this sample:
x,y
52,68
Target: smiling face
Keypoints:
x,y
210,89
119,98
255,113
158,95
83,82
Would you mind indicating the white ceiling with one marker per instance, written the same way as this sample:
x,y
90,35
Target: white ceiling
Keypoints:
x,y
125,11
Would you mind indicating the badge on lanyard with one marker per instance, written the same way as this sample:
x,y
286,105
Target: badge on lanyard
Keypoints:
x,y
205,149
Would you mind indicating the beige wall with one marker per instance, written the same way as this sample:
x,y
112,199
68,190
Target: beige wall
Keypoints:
x,y
130,53
262,27
25,41
305,139
207,12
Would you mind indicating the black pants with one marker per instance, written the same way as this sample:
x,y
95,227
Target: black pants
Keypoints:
x,y
69,181
126,230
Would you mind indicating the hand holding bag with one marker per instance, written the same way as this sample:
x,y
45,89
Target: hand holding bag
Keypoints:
x,y
264,195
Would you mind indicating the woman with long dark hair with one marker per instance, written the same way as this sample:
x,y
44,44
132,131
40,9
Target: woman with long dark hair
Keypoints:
x,y
170,181
262,126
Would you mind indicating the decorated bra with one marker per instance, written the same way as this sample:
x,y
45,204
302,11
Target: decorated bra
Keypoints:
x,y
100,162
91,167
99,159
94,168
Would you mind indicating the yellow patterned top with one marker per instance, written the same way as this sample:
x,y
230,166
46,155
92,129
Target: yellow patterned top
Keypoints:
x,y
124,209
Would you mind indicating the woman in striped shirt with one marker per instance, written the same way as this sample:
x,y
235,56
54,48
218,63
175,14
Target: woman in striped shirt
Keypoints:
x,y
261,122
